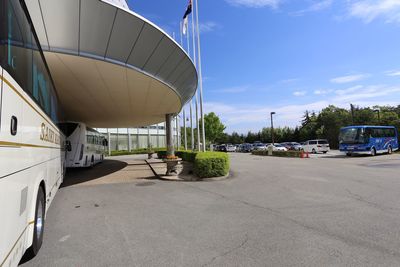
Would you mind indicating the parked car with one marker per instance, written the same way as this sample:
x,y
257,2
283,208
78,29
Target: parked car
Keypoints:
x,y
230,148
259,146
247,147
316,146
292,146
222,148
278,147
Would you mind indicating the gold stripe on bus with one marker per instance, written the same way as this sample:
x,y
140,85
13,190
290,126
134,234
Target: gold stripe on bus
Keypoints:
x,y
27,101
12,144
16,242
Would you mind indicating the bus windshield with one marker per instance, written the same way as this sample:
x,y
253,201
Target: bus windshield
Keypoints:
x,y
353,136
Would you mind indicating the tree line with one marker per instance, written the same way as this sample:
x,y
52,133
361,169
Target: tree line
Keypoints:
x,y
325,124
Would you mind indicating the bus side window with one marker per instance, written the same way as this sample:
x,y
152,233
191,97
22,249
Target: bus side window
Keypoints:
x,y
368,133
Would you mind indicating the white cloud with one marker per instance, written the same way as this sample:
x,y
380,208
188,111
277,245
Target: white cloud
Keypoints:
x,y
209,26
393,73
248,116
349,78
299,93
323,91
314,7
348,90
289,81
358,93
369,10
252,117
255,3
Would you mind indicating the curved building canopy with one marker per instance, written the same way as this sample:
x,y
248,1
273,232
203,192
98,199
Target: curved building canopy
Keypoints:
x,y
111,67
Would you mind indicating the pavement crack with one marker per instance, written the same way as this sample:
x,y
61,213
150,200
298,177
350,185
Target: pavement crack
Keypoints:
x,y
369,203
230,251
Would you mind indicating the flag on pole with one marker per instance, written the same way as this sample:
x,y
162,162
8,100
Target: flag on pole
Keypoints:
x,y
186,17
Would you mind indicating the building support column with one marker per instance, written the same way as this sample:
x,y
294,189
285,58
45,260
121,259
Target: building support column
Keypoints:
x,y
129,140
117,139
184,129
158,136
109,142
137,139
148,138
169,135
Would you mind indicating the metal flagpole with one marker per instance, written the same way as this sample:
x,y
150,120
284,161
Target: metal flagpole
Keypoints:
x,y
196,97
184,129
181,33
191,125
197,123
188,41
200,77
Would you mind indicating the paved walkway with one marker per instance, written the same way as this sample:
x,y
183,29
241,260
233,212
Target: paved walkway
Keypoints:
x,y
121,169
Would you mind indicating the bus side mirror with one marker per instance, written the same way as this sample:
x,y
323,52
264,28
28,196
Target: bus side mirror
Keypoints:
x,y
68,146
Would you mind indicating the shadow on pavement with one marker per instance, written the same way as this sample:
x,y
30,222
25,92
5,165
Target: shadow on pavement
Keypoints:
x,y
81,175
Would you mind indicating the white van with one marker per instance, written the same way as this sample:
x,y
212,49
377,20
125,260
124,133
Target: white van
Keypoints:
x,y
316,146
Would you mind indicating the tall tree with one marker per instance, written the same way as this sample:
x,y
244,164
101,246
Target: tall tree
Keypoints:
x,y
213,127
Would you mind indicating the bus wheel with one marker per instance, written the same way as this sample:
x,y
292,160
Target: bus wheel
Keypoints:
x,y
348,154
390,150
38,228
373,152
313,151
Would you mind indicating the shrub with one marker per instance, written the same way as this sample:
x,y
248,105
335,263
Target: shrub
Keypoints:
x,y
260,152
161,154
288,154
211,164
125,152
184,155
188,156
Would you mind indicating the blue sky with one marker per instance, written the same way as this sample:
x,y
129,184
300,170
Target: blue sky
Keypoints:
x,y
290,55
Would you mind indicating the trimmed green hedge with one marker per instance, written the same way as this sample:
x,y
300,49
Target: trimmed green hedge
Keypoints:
x,y
211,164
161,154
188,156
288,154
184,155
206,164
125,152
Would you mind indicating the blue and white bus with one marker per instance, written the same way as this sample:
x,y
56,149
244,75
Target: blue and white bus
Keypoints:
x,y
369,140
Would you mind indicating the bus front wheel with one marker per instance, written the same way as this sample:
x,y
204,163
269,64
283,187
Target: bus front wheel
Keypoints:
x,y
38,228
390,150
373,152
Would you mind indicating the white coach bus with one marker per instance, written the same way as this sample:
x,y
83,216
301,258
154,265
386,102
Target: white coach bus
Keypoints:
x,y
85,146
31,144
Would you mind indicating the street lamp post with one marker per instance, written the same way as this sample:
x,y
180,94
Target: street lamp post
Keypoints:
x,y
379,115
272,128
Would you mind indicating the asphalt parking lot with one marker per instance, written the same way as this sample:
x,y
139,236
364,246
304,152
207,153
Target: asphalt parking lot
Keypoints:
x,y
324,211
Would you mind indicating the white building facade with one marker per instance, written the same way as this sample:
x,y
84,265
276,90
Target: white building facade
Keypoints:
x,y
154,136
